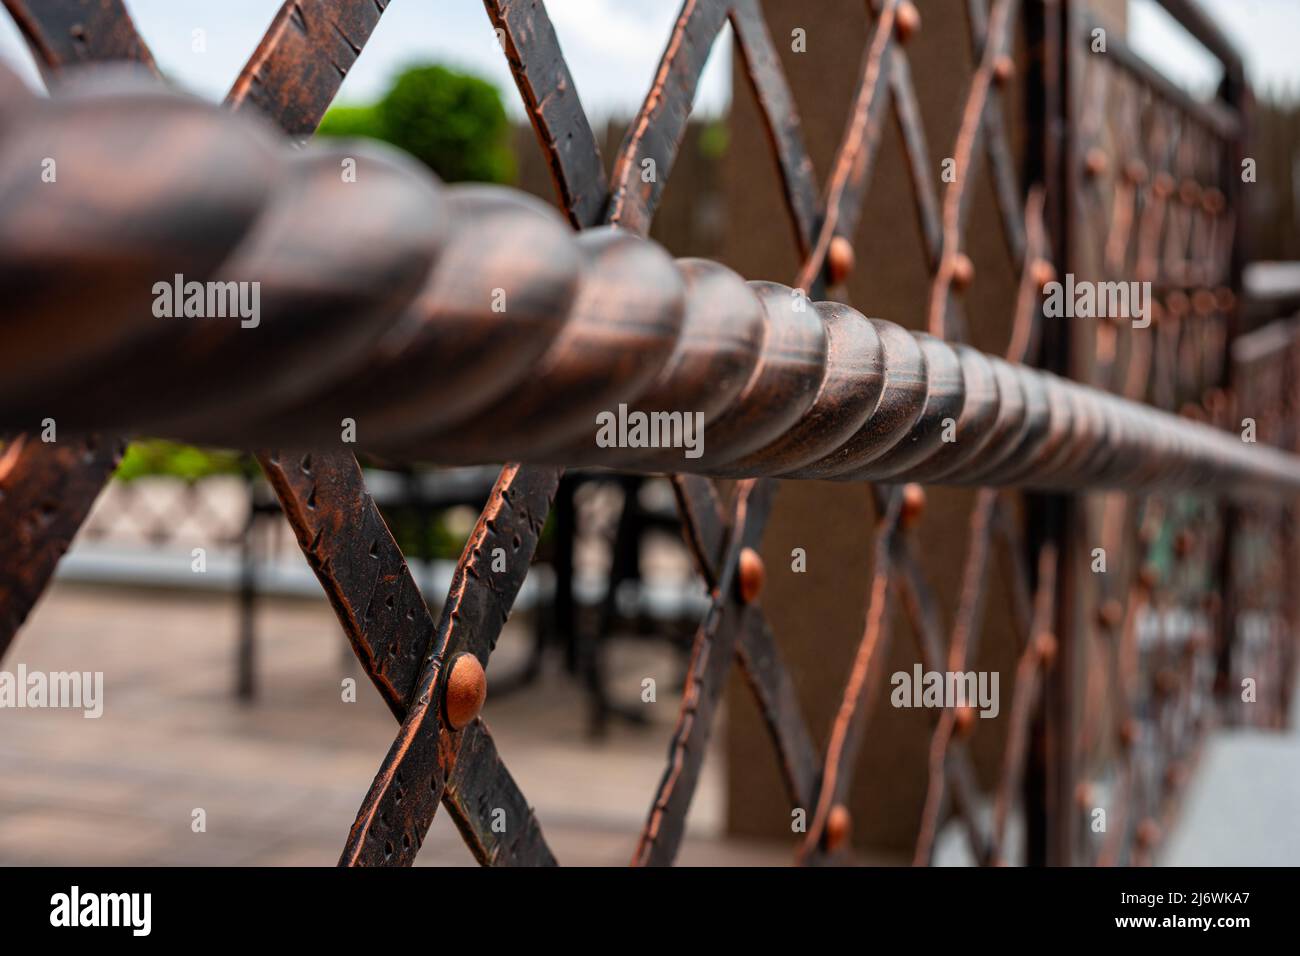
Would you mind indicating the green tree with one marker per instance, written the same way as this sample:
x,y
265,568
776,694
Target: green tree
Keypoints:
x,y
454,123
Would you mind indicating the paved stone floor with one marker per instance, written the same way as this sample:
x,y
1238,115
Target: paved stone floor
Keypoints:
x,y
1241,807
280,780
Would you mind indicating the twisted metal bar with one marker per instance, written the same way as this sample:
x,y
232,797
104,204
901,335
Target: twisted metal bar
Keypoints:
x,y
382,293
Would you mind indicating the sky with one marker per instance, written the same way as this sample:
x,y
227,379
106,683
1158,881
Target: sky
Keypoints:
x,y
613,46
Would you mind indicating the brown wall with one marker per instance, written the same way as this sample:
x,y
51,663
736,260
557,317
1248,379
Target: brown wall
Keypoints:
x,y
689,220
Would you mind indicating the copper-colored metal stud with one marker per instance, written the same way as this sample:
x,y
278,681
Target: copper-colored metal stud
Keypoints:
x,y
1111,613
751,575
1096,162
1163,185
1045,646
1225,298
465,691
1136,172
839,259
1190,192
1213,201
913,504
1042,272
1004,70
963,271
1203,302
839,823
1177,304
1148,833
907,21
963,720
1083,795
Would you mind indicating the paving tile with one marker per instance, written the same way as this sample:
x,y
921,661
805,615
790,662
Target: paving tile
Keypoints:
x,y
281,779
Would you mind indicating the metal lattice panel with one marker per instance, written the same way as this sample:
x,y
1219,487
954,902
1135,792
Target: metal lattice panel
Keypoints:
x,y
1150,169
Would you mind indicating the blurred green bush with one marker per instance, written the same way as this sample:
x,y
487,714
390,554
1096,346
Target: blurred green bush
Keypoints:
x,y
453,122
157,457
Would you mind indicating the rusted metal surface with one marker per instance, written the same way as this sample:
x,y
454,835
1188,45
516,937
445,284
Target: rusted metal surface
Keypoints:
x,y
548,91
788,387
295,72
401,650
397,812
46,490
64,32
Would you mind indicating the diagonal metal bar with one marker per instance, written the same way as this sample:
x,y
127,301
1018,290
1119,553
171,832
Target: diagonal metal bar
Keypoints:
x,y
768,83
922,608
1001,166
907,112
302,60
488,808
778,702
711,659
556,112
349,547
1035,658
967,153
46,491
964,634
65,32
646,156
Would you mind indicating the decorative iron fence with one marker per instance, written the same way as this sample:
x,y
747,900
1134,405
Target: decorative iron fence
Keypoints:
x,y
390,322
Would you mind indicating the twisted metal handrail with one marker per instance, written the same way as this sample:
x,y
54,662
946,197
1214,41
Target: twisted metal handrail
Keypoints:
x,y
382,291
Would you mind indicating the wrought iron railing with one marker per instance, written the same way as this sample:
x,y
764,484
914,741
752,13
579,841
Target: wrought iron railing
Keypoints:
x,y
390,321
